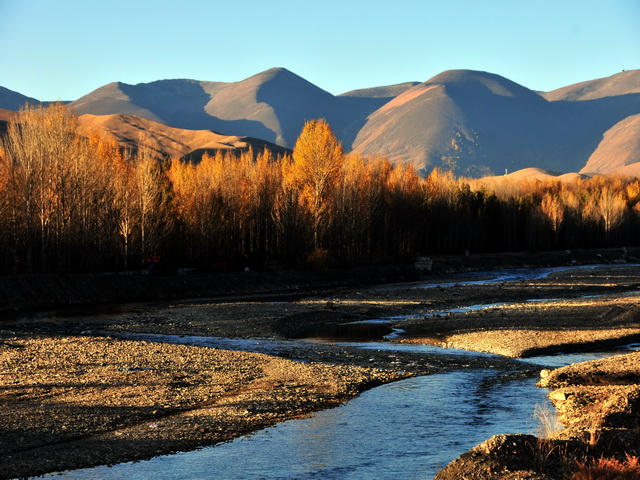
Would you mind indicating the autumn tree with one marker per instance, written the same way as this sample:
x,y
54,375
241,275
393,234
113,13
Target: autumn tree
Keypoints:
x,y
317,162
554,210
122,202
358,196
405,202
289,216
611,208
152,191
44,152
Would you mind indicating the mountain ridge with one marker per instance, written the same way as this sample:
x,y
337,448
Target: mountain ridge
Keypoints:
x,y
473,121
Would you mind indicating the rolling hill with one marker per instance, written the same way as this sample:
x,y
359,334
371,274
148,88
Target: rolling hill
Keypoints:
x,y
10,100
272,105
620,146
131,131
531,173
624,83
476,122
480,122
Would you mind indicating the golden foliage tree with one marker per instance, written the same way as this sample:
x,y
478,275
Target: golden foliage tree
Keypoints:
x,y
317,162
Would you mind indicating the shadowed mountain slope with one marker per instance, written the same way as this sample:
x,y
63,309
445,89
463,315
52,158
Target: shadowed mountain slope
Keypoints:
x,y
10,100
272,105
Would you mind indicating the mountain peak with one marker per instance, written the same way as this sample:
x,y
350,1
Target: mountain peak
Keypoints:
x,y
476,81
278,70
466,119
277,73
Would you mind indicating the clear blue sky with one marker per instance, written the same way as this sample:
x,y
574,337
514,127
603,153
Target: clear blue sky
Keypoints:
x,y
63,49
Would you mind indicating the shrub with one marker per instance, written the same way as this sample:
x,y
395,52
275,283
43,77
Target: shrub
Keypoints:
x,y
608,469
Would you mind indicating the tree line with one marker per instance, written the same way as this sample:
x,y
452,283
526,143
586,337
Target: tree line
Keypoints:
x,y
75,201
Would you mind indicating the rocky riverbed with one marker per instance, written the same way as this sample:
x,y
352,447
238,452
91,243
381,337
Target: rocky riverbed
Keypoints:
x,y
599,407
74,395
80,401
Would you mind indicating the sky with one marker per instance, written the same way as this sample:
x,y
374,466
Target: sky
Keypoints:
x,y
63,49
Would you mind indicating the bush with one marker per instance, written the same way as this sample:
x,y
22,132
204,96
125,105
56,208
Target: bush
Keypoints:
x,y
608,469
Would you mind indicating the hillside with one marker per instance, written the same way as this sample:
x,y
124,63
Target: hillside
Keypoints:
x,y
620,147
624,83
476,122
165,141
387,92
272,105
531,173
10,100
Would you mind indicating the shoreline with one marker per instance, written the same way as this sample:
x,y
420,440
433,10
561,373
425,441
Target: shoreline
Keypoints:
x,y
185,418
598,405
119,400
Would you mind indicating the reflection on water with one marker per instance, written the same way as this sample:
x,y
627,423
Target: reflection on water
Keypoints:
x,y
503,275
408,429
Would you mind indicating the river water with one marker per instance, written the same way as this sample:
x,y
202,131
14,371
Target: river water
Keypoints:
x,y
408,429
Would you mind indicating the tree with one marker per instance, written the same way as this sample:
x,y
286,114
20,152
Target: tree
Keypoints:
x,y
611,208
554,210
151,188
42,146
318,160
289,217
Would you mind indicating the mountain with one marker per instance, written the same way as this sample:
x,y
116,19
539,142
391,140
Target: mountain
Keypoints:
x,y
10,100
476,122
387,92
619,147
131,131
480,122
624,83
272,105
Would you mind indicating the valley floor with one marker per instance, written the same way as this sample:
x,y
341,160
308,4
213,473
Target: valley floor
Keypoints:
x,y
76,393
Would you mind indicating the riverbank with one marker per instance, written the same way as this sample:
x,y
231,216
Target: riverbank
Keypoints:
x,y
583,309
71,402
59,358
598,403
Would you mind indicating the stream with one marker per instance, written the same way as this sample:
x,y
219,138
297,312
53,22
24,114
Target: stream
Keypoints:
x,y
408,429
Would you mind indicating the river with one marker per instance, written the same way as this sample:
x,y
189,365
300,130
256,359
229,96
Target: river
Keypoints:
x,y
408,429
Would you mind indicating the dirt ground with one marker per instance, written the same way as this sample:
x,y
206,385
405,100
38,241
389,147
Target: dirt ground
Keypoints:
x,y
74,393
80,401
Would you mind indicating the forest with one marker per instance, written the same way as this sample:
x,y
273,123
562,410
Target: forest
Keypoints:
x,y
73,201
